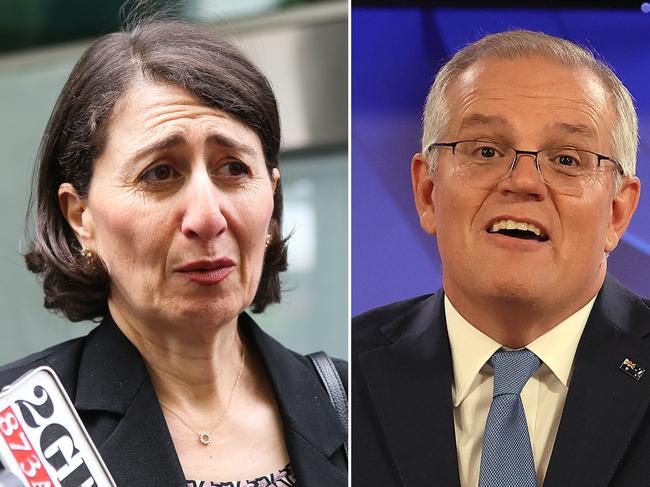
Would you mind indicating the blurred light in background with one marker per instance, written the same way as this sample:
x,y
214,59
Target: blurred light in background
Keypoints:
x,y
26,24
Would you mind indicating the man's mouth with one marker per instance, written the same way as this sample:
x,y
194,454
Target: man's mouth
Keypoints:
x,y
518,229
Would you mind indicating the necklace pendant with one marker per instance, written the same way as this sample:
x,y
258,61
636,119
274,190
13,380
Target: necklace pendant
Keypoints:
x,y
205,439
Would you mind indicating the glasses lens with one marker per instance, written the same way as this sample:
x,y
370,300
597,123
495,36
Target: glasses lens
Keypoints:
x,y
484,159
567,168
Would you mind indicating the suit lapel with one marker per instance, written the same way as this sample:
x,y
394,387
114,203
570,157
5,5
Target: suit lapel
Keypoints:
x,y
118,404
312,429
410,383
604,405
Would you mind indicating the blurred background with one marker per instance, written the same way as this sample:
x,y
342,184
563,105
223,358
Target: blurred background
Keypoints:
x,y
397,48
301,46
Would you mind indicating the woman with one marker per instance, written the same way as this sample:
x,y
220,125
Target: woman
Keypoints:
x,y
159,210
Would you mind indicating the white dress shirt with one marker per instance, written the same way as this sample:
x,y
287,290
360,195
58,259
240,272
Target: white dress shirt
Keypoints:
x,y
543,395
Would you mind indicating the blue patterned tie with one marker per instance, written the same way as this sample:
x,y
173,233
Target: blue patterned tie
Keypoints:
x,y
507,459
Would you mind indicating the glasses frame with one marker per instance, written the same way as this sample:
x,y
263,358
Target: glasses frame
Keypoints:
x,y
617,165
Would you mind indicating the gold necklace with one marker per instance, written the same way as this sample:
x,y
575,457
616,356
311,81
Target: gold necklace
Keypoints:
x,y
206,438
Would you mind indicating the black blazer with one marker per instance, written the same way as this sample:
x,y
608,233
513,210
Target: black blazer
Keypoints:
x,y
402,414
109,385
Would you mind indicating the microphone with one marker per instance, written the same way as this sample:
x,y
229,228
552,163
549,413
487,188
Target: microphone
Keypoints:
x,y
43,443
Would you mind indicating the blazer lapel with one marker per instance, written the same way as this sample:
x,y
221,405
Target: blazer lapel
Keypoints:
x,y
604,405
312,429
116,400
140,451
410,383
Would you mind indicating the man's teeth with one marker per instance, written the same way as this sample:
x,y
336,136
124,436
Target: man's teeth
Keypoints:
x,y
513,225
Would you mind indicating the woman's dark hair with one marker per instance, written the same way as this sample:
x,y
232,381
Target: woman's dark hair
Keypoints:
x,y
171,52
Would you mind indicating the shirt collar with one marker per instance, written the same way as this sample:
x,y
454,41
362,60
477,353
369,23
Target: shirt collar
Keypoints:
x,y
471,348
557,347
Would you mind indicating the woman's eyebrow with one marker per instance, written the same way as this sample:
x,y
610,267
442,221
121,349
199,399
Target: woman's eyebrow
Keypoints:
x,y
230,143
169,142
175,140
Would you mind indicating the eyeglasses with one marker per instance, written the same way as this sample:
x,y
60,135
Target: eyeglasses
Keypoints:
x,y
566,169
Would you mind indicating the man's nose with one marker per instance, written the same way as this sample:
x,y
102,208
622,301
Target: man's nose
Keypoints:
x,y
524,177
203,217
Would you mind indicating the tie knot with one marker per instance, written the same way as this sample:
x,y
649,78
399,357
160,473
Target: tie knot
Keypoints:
x,y
512,369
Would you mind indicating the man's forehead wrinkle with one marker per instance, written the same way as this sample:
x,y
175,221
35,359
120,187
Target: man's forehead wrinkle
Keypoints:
x,y
473,110
573,128
481,119
480,78
478,74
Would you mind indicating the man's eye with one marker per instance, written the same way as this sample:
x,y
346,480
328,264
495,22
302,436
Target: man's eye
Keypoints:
x,y
162,172
565,160
488,152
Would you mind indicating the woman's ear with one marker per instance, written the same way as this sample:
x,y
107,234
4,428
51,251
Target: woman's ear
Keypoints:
x,y
76,213
275,178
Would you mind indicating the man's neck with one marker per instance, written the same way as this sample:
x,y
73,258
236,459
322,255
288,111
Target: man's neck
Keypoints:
x,y
514,323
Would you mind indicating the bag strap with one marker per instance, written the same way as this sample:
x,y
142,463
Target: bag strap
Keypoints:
x,y
329,376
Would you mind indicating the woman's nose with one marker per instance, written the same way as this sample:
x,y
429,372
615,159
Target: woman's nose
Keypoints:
x,y
203,217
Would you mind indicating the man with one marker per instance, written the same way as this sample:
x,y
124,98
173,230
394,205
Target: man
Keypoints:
x,y
527,367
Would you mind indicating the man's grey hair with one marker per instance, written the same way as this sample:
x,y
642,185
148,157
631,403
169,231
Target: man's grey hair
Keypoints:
x,y
522,43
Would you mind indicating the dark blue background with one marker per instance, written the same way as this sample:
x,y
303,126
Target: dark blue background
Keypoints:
x,y
395,55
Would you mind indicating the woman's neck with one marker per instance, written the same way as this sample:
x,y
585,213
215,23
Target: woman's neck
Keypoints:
x,y
187,365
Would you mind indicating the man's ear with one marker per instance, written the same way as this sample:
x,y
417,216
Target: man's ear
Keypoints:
x,y
75,211
423,192
623,207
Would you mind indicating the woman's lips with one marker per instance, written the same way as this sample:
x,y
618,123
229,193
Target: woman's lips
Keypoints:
x,y
207,271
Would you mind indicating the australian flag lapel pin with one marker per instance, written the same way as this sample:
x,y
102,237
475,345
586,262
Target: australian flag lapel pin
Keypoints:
x,y
632,369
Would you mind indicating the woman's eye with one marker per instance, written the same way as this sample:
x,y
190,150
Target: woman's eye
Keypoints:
x,y
162,172
234,169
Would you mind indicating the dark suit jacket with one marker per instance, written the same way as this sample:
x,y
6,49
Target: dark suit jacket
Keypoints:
x,y
402,415
108,383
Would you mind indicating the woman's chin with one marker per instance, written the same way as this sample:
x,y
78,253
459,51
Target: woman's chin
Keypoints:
x,y
207,315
